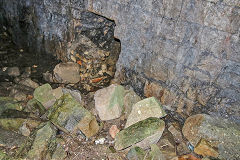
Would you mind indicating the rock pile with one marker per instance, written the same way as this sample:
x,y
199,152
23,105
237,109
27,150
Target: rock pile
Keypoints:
x,y
113,123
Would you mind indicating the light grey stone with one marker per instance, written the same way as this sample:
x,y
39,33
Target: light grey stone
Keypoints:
x,y
109,102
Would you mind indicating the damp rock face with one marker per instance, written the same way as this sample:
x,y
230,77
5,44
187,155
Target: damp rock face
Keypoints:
x,y
188,47
68,31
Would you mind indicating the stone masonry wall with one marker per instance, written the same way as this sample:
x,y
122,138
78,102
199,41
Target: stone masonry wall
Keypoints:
x,y
185,52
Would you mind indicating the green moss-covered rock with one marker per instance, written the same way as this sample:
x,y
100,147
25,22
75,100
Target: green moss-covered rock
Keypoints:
x,y
136,153
149,107
67,112
142,134
14,124
109,102
8,103
44,95
43,138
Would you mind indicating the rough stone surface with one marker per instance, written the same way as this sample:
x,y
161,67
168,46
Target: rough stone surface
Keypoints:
x,y
109,102
67,73
74,93
141,134
43,138
189,47
220,133
10,138
149,107
205,149
155,153
130,99
44,95
67,30
69,114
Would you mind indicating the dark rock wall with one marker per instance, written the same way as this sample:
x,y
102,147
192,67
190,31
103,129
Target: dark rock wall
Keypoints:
x,y
64,28
185,52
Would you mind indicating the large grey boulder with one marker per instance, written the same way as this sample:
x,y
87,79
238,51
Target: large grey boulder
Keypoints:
x,y
141,134
220,133
149,107
109,102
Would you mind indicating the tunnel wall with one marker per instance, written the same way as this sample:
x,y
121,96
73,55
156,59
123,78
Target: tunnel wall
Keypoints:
x,y
185,52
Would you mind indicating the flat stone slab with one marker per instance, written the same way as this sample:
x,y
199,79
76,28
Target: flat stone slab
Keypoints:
x,y
141,134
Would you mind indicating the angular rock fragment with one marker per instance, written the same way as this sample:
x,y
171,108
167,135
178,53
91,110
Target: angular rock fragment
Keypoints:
x,y
205,149
44,95
58,92
74,93
142,134
130,99
67,73
109,102
220,133
149,107
68,113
